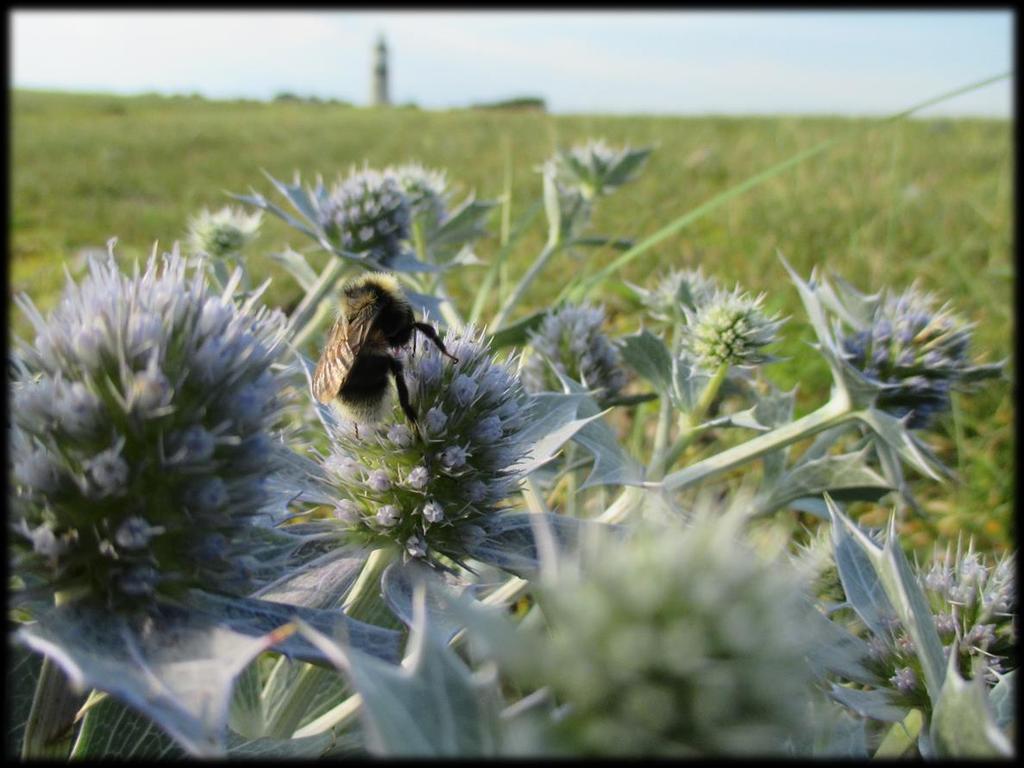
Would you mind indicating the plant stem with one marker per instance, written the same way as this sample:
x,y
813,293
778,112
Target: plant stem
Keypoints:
x,y
51,720
359,601
506,309
50,725
661,433
311,301
307,330
366,591
690,422
834,412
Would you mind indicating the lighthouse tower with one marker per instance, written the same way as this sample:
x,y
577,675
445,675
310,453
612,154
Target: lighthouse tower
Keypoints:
x,y
380,74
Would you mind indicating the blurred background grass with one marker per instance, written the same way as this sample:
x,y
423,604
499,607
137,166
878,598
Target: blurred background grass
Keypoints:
x,y
925,200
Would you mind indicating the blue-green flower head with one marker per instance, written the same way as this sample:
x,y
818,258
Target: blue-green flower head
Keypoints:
x,y
145,420
426,494
223,233
730,328
596,168
426,188
368,213
675,292
920,352
676,641
572,340
973,598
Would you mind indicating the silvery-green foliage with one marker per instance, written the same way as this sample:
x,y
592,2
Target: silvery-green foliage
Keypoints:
x,y
431,495
145,429
972,603
919,352
575,178
572,340
922,632
426,188
676,292
730,328
679,640
368,213
223,233
595,168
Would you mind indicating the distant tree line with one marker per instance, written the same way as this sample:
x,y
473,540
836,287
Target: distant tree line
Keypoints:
x,y
519,102
294,97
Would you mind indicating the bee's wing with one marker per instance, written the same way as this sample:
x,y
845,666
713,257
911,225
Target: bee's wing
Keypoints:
x,y
346,338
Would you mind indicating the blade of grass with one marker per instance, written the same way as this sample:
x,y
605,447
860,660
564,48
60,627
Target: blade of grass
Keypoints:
x,y
576,293
483,295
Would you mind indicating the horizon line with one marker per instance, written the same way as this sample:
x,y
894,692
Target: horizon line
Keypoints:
x,y
481,106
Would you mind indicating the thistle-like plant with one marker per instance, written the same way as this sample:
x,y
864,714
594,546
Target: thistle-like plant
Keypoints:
x,y
729,328
426,188
429,494
223,233
973,600
143,435
678,640
676,292
595,168
572,340
917,352
368,213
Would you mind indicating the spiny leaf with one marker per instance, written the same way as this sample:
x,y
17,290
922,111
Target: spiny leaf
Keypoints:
x,y
962,722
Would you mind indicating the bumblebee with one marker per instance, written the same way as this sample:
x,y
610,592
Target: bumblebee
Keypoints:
x,y
375,319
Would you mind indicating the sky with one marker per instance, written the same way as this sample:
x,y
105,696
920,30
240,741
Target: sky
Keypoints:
x,y
664,62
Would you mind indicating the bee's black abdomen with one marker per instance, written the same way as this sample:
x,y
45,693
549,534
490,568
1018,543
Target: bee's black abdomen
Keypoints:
x,y
366,389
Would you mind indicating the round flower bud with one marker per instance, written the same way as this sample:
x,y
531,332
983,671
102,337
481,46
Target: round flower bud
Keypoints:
x,y
676,292
379,480
418,478
592,168
572,341
388,515
435,421
368,213
730,329
426,189
126,435
432,512
224,233
400,435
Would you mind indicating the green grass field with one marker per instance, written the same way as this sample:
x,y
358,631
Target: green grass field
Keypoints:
x,y
922,199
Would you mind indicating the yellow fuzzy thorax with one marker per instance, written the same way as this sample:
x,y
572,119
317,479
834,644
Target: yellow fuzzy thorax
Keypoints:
x,y
385,280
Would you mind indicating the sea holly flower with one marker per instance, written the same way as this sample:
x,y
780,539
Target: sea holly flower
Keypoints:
x,y
124,459
730,328
571,339
676,292
422,495
595,168
918,353
223,233
675,641
973,599
426,189
368,213
972,602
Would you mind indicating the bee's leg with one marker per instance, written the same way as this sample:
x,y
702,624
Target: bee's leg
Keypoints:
x,y
428,330
403,393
